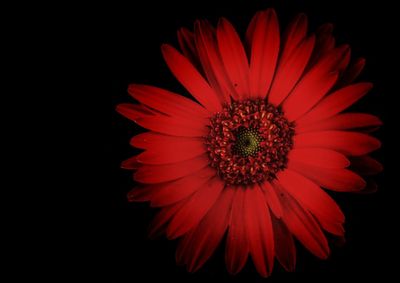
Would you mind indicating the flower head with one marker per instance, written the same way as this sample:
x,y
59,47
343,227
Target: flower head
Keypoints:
x,y
251,155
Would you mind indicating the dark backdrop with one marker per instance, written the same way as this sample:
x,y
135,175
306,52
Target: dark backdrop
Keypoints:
x,y
132,36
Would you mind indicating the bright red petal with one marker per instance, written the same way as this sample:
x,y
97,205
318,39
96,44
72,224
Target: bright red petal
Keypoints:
x,y
302,224
167,102
348,143
172,152
237,245
272,199
318,157
211,61
195,209
175,191
335,103
264,53
290,71
210,231
344,121
259,230
336,179
294,34
190,78
234,57
311,196
150,174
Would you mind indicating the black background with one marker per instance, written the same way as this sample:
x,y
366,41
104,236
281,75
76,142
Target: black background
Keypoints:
x,y
132,36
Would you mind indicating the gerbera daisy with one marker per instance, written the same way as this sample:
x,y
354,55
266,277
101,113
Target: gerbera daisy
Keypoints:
x,y
251,155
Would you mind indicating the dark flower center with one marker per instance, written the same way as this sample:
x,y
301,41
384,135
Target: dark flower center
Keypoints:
x,y
248,142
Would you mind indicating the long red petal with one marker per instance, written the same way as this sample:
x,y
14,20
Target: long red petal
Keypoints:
x,y
149,140
259,230
194,210
290,70
190,78
237,245
150,174
318,157
167,102
307,93
310,195
272,199
172,152
211,61
284,245
348,143
353,71
188,47
234,57
335,103
294,34
160,221
365,165
264,53
302,224
344,121
175,191
210,230
336,179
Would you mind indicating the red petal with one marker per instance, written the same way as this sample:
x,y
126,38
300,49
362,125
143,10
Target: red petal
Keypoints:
x,y
302,224
173,126
318,157
293,36
264,53
237,246
143,193
211,61
190,78
131,163
325,43
234,57
259,230
175,191
188,47
172,152
159,222
311,196
210,231
344,121
365,165
194,210
284,245
353,72
348,143
336,179
133,111
290,71
167,102
307,93
149,174
149,140
335,103
250,32
272,199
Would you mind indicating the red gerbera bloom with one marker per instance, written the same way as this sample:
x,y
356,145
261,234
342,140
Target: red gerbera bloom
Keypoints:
x,y
250,155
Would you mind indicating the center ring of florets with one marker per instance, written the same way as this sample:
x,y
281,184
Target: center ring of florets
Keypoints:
x,y
248,142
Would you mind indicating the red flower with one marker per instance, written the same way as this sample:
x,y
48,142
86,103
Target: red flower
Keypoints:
x,y
250,155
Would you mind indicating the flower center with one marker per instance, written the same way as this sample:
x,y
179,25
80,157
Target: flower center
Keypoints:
x,y
248,142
